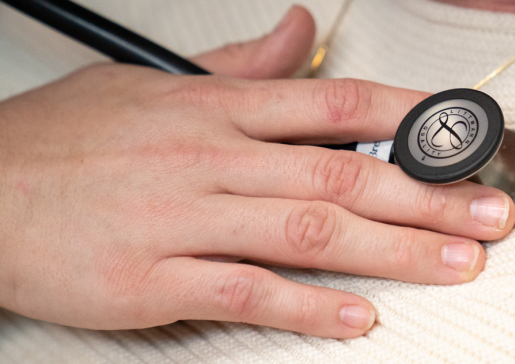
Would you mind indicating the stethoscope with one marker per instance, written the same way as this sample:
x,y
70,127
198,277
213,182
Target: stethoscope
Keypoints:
x,y
448,137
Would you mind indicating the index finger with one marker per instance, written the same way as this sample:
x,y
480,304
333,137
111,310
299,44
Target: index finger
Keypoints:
x,y
321,111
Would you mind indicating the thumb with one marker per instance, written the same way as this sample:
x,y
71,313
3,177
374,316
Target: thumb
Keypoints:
x,y
276,55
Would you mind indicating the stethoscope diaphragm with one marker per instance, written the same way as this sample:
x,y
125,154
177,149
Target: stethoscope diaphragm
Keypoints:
x,y
449,136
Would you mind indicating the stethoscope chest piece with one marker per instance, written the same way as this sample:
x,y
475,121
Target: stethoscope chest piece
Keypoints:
x,y
449,136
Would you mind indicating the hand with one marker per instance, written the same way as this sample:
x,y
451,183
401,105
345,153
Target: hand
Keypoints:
x,y
116,179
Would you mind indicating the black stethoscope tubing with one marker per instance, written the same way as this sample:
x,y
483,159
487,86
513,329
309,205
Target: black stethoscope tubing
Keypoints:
x,y
113,40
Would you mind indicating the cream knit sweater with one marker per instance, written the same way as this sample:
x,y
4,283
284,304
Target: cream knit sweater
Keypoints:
x,y
410,43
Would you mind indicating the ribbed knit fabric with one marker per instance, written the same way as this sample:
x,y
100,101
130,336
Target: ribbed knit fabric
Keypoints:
x,y
410,43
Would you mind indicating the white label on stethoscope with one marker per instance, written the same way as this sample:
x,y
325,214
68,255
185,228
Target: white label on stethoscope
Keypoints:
x,y
380,150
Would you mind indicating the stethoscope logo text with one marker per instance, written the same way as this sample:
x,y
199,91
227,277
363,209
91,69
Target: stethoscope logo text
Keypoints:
x,y
447,133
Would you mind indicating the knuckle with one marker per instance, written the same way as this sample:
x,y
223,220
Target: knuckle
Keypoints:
x,y
216,96
130,273
404,252
239,293
309,309
341,176
127,282
343,100
431,203
198,94
310,229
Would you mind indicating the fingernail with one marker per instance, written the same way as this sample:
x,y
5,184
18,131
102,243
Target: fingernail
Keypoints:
x,y
285,21
357,317
460,256
491,211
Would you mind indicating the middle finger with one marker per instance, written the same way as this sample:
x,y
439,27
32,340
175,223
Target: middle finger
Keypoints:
x,y
372,189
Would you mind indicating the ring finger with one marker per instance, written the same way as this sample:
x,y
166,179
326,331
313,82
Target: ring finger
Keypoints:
x,y
316,234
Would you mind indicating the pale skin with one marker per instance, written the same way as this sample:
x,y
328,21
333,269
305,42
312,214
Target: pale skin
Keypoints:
x,y
128,195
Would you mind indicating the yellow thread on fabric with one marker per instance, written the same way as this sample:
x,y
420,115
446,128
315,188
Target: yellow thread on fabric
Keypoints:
x,y
324,47
322,50
494,74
